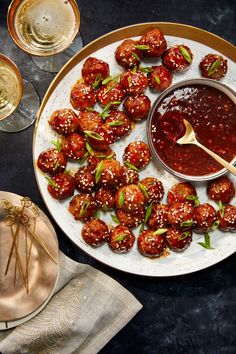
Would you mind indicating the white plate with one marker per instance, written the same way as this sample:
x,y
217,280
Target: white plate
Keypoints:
x,y
195,257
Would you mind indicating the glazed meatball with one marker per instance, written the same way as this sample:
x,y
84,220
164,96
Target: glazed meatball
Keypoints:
x,y
133,83
131,219
98,156
152,189
129,198
111,92
177,58
82,96
182,192
221,189
105,198
89,120
73,146
61,186
108,173
213,66
94,71
227,218
52,161
121,239
95,232
120,124
101,137
85,179
160,78
178,240
64,121
155,40
205,216
128,176
83,207
181,215
127,54
150,244
137,154
159,217
137,107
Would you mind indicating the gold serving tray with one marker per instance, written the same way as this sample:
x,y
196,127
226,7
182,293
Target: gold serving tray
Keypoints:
x,y
193,259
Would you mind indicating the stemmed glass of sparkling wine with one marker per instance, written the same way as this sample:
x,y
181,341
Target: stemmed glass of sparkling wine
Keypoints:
x,y
46,29
19,101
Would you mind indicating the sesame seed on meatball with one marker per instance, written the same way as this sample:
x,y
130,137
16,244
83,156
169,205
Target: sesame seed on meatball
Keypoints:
x,y
221,189
121,239
155,41
95,232
150,244
137,154
178,240
137,107
213,66
82,96
64,121
129,198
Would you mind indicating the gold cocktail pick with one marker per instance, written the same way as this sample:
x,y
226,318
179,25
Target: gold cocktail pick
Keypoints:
x,y
17,216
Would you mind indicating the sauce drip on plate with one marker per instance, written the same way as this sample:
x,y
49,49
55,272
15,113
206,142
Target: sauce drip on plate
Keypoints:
x,y
213,117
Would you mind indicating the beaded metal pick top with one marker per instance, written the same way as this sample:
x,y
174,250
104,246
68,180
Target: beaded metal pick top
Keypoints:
x,y
21,225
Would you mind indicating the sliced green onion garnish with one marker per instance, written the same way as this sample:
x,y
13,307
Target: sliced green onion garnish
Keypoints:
x,y
132,167
157,79
93,135
84,207
115,219
52,182
57,144
187,223
143,190
207,243
184,235
136,56
221,209
215,225
148,212
186,54
115,123
160,232
97,80
98,172
89,148
194,198
142,47
120,238
147,70
121,199
214,66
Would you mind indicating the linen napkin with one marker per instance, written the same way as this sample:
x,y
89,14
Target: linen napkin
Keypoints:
x,y
87,309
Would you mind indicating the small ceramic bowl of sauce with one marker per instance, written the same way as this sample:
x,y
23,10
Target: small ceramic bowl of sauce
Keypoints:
x,y
210,107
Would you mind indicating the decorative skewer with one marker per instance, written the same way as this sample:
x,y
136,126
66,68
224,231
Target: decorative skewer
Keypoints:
x,y
15,236
18,216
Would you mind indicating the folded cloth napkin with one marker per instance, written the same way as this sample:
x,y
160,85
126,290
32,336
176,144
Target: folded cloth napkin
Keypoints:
x,y
86,311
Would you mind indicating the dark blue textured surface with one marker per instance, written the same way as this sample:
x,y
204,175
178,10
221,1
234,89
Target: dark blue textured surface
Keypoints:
x,y
192,314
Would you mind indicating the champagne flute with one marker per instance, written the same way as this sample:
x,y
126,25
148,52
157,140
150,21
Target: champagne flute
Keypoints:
x,y
19,101
46,29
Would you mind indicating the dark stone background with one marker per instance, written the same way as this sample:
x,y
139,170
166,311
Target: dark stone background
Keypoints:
x,y
192,314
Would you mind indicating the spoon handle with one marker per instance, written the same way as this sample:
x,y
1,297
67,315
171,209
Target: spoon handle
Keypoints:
x,y
219,159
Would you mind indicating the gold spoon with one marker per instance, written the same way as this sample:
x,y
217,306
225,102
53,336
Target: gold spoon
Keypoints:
x,y
190,138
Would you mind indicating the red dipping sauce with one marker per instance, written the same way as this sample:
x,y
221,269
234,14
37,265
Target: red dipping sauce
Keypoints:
x,y
213,116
